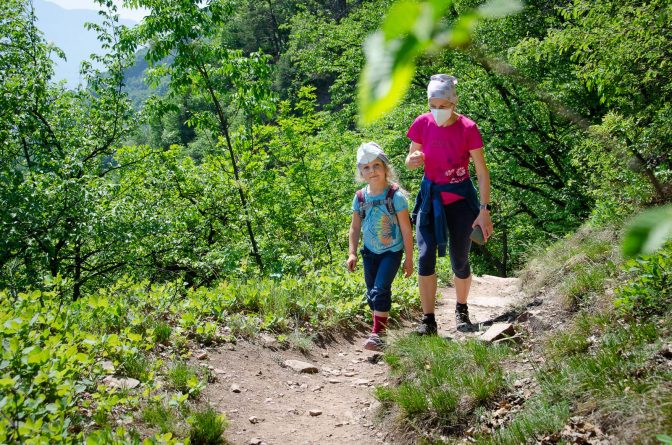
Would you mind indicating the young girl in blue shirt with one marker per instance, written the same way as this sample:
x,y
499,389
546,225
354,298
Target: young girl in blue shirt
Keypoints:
x,y
386,234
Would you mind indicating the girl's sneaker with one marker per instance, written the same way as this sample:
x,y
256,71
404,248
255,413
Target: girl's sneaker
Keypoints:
x,y
374,343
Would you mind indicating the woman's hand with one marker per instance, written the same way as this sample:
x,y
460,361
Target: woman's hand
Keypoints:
x,y
483,219
415,159
408,266
351,262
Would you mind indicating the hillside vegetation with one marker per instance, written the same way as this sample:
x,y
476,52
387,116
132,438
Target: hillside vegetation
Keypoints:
x,y
138,223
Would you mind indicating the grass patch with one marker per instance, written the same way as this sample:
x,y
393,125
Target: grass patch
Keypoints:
x,y
549,265
584,284
161,333
184,378
137,366
300,341
207,427
539,417
161,417
442,382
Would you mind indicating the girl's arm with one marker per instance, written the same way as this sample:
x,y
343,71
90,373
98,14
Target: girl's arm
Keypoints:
x,y
407,236
415,158
353,241
483,174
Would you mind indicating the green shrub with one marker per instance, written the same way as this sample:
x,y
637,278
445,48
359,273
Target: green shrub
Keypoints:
x,y
648,292
207,428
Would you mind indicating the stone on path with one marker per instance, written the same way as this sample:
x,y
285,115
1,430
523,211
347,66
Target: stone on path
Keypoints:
x,y
497,331
270,342
121,383
300,366
235,388
315,412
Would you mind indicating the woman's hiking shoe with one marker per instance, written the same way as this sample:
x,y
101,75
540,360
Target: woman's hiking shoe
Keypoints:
x,y
425,328
462,322
374,343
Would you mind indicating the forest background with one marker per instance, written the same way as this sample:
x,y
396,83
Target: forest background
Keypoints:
x,y
214,147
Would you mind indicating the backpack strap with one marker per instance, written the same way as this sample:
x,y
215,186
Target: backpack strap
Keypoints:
x,y
389,199
362,203
388,202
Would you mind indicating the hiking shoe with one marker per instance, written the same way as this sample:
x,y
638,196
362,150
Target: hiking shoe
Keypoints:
x,y
462,322
374,343
425,329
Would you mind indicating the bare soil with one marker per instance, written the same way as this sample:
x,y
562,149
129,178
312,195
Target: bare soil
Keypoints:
x,y
277,405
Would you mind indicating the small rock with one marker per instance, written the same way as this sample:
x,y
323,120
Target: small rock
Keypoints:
x,y
120,383
255,441
522,318
270,342
300,366
315,412
235,388
254,419
359,382
349,374
325,355
201,355
497,331
219,371
107,365
335,381
317,388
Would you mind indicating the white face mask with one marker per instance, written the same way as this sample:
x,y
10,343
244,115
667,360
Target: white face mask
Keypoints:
x,y
441,115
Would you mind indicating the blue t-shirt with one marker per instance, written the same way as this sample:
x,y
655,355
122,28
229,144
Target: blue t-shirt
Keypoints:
x,y
381,231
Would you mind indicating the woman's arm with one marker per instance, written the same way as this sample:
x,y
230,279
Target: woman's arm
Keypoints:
x,y
483,175
415,158
353,241
407,235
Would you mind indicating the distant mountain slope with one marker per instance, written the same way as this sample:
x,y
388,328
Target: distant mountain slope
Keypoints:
x,y
65,28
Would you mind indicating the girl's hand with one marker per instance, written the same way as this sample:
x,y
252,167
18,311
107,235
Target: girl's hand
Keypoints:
x,y
408,267
483,219
351,262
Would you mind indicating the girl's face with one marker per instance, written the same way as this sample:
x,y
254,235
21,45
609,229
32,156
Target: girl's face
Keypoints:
x,y
374,172
436,103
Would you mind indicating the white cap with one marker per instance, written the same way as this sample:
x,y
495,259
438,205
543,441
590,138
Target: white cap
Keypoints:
x,y
368,152
442,86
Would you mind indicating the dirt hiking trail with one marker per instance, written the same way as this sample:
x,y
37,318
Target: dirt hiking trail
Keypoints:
x,y
268,402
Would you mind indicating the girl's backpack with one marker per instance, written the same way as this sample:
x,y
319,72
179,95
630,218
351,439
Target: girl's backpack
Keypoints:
x,y
388,202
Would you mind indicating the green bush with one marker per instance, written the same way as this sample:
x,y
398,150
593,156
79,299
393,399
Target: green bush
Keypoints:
x,y
648,292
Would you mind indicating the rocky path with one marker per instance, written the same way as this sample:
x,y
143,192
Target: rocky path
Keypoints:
x,y
267,401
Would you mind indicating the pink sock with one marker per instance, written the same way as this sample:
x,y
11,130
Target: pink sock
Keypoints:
x,y
379,324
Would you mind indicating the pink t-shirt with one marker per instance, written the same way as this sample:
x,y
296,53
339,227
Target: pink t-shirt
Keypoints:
x,y
446,149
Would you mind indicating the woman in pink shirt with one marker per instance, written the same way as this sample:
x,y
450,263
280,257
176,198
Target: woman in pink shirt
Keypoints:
x,y
447,209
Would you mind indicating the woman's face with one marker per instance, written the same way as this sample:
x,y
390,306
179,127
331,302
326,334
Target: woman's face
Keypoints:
x,y
436,103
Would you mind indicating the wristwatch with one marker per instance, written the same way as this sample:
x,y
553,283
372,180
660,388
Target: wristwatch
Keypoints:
x,y
485,207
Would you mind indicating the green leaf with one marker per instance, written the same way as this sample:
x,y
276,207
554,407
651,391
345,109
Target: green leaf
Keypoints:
x,y
388,74
400,19
648,231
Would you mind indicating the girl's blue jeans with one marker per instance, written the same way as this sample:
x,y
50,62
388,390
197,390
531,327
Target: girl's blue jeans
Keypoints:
x,y
379,272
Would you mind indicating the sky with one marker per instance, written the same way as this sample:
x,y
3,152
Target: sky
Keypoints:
x,y
126,13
